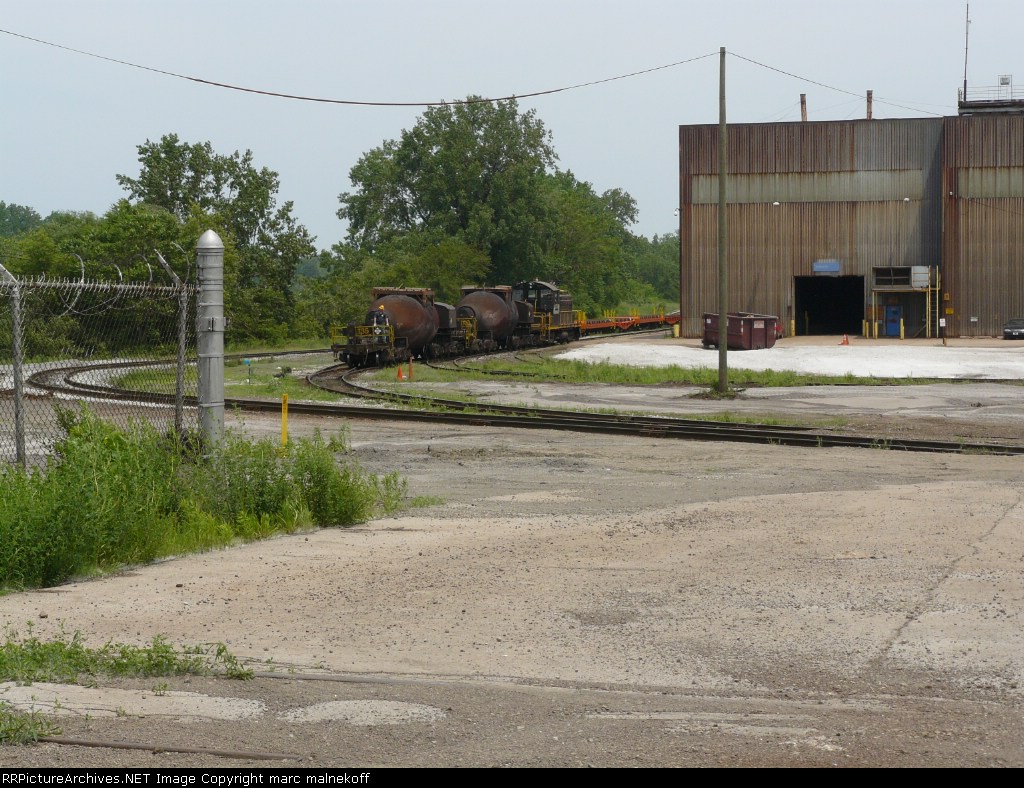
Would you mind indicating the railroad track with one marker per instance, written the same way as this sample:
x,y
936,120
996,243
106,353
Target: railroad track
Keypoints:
x,y
338,378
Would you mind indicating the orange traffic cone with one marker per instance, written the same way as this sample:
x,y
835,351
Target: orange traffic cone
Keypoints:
x,y
400,372
846,339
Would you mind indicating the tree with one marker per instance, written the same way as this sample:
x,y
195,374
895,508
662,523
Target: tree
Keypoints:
x,y
621,205
656,262
190,181
439,263
15,219
583,247
469,171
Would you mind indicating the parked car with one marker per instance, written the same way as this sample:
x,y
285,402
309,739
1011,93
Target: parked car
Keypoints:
x,y
1014,329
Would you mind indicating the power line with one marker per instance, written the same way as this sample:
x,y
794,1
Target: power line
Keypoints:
x,y
351,102
532,94
832,87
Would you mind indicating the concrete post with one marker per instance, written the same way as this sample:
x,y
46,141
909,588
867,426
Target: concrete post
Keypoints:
x,y
210,336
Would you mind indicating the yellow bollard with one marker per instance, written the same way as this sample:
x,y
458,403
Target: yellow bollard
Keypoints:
x,y
284,419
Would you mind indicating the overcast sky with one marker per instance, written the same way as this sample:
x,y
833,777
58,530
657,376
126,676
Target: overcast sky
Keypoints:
x,y
71,122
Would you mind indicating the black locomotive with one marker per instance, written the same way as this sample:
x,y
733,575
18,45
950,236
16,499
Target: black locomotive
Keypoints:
x,y
406,323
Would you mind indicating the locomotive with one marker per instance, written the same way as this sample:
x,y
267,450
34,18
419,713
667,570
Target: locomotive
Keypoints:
x,y
404,323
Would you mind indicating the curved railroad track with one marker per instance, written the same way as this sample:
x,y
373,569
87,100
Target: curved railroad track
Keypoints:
x,y
418,407
342,380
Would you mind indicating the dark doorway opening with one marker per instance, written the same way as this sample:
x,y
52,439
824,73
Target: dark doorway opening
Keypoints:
x,y
829,305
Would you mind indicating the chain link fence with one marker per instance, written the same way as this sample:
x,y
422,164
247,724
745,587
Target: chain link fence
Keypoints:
x,y
96,335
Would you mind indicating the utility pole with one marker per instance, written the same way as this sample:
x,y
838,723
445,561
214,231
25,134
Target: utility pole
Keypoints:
x,y
723,273
803,107
967,42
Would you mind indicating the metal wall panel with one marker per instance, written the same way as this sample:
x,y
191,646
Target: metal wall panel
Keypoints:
x,y
975,141
990,182
983,220
861,192
866,186
816,147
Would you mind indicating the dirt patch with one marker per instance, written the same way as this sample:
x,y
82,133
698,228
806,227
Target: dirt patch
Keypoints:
x,y
590,601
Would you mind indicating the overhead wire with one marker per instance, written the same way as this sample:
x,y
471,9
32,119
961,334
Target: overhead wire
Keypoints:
x,y
472,100
830,87
353,102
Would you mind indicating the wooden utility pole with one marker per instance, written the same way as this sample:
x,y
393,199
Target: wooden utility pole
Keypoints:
x,y
803,107
723,273
871,101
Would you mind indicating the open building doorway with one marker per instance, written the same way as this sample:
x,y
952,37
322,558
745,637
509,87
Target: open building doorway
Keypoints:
x,y
829,305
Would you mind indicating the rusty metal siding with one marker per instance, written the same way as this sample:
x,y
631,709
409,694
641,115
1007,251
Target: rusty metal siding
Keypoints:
x,y
817,147
1000,182
972,141
984,275
983,222
864,186
861,192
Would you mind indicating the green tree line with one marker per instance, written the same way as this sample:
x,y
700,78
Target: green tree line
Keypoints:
x,y
471,194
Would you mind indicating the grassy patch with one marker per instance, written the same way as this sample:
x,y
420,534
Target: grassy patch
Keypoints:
x,y
67,660
573,371
270,377
312,345
112,497
262,378
157,380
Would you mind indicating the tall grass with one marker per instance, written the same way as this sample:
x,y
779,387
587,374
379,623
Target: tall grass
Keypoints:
x,y
575,371
68,660
111,497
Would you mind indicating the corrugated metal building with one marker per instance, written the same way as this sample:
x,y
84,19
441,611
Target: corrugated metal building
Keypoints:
x,y
850,226
983,222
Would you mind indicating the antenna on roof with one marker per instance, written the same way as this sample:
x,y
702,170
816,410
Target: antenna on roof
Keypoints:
x,y
967,38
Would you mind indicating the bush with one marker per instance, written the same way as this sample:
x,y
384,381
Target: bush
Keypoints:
x,y
111,497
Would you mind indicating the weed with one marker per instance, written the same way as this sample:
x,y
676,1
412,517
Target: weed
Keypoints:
x,y
261,378
24,727
421,501
574,371
66,659
111,497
